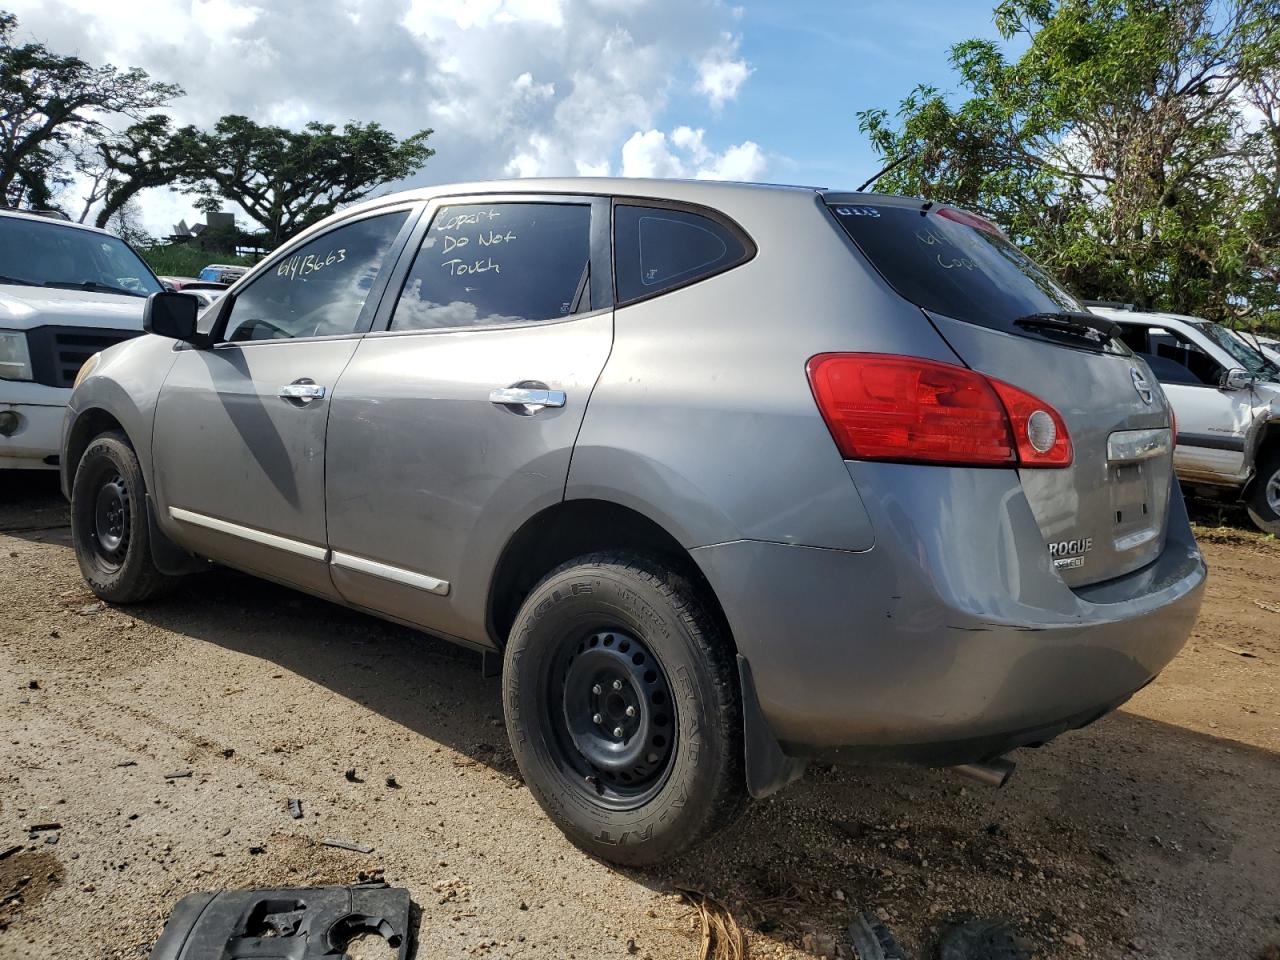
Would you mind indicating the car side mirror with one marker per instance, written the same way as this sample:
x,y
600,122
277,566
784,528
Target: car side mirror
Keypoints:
x,y
1237,378
173,315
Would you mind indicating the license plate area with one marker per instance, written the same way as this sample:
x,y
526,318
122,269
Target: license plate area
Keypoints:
x,y
1134,520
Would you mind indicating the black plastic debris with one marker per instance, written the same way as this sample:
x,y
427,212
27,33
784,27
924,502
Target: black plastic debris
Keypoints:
x,y
982,940
302,923
872,940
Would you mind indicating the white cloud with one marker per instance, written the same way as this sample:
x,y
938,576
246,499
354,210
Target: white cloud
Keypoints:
x,y
720,74
511,87
651,154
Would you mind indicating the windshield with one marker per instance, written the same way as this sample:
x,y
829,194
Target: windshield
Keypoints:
x,y
1243,353
43,253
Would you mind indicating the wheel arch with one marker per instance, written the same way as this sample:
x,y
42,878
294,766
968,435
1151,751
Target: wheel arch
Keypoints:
x,y
88,423
575,527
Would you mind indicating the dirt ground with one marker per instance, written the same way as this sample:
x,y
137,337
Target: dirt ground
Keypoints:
x,y
1154,833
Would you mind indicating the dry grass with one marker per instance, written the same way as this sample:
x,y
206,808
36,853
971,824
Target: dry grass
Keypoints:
x,y
722,938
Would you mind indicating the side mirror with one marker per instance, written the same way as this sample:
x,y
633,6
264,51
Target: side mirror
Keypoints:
x,y
1237,378
173,315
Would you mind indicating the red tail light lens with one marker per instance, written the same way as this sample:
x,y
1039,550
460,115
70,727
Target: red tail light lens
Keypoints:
x,y
905,409
1038,429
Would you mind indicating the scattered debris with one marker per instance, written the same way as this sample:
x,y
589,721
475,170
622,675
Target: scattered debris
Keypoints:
x,y
127,763
346,845
295,809
983,940
872,940
33,685
351,776
228,753
305,923
42,827
1270,608
1237,651
256,850
7,853
177,775
391,782
722,938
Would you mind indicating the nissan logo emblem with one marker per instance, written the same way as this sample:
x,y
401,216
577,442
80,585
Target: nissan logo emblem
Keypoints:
x,y
1140,384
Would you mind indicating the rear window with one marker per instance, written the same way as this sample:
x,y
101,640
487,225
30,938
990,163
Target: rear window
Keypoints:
x,y
659,248
954,263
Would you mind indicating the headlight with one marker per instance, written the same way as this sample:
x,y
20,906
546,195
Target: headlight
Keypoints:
x,y
15,359
86,368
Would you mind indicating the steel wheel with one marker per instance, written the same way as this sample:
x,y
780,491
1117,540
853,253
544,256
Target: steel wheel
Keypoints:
x,y
614,718
111,517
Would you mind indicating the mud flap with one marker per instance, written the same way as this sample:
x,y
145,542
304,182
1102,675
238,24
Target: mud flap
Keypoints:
x,y
304,923
768,768
168,557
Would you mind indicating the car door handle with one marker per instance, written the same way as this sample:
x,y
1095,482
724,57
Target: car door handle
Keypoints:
x,y
527,397
301,390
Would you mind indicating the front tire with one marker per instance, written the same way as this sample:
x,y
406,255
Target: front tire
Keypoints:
x,y
109,523
623,709
1264,496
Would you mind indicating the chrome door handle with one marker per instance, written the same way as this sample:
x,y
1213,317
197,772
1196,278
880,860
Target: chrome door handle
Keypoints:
x,y
302,391
524,396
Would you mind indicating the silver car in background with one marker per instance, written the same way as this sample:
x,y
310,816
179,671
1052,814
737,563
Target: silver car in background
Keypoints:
x,y
732,476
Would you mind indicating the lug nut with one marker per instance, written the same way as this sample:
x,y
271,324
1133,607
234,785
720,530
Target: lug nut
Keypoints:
x,y
617,731
596,690
617,684
596,718
631,711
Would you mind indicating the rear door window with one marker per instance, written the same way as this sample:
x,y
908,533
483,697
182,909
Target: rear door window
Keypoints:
x,y
953,263
658,249
495,263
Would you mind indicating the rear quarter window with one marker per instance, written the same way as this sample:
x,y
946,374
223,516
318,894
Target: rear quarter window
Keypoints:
x,y
657,249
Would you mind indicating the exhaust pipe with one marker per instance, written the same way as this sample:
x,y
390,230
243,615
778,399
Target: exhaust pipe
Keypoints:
x,y
994,773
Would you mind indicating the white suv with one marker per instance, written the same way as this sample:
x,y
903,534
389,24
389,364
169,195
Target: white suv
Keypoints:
x,y
66,292
1226,396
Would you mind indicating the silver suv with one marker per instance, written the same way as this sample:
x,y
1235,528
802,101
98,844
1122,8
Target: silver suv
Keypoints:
x,y
733,477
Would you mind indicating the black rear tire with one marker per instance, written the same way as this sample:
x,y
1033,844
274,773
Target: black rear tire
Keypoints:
x,y
1264,495
109,523
623,709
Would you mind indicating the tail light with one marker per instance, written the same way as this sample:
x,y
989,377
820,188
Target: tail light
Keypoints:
x,y
905,409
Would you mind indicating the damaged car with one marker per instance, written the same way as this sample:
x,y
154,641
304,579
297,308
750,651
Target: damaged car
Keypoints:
x,y
732,477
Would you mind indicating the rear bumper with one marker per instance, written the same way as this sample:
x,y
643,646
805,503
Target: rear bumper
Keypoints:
x,y
951,640
38,435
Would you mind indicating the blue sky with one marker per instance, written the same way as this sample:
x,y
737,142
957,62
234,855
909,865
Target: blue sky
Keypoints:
x,y
759,89
812,73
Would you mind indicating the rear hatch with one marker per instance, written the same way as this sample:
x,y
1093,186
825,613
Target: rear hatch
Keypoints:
x,y
1103,515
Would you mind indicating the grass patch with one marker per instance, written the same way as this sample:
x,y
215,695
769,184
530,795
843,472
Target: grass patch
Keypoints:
x,y
179,260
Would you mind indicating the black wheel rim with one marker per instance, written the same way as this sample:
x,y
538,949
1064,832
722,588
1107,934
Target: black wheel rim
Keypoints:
x,y
614,718
111,517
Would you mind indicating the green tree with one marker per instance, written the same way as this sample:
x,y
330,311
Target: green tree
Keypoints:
x,y
1123,147
146,154
286,180
48,102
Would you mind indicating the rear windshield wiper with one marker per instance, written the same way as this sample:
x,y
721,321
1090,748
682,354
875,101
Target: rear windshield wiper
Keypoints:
x,y
92,286
1088,325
